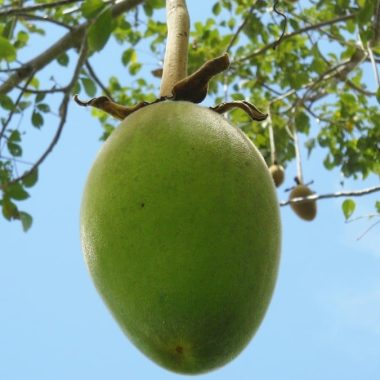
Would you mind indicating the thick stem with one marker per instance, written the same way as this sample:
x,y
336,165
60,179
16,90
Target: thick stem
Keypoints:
x,y
175,62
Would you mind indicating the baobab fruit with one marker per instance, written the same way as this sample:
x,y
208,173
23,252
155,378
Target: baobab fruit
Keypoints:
x,y
306,210
180,229
278,174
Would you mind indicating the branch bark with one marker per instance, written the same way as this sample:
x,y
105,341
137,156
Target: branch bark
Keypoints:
x,y
63,108
32,8
295,33
315,197
68,41
240,28
376,26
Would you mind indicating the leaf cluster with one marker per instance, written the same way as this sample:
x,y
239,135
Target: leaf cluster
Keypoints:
x,y
319,81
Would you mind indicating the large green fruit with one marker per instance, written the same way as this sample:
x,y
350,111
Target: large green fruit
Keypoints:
x,y
180,229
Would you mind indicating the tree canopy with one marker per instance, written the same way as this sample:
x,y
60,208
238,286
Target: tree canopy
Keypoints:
x,y
311,65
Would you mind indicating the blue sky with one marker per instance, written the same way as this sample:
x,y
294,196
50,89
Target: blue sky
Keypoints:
x,y
323,321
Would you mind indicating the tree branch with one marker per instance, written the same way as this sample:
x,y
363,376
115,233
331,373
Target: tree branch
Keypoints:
x,y
340,72
367,230
295,33
315,197
29,16
376,27
68,41
97,80
11,113
32,8
52,90
63,108
361,90
240,28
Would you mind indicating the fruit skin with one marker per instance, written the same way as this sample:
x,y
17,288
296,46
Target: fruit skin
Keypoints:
x,y
278,174
180,229
305,210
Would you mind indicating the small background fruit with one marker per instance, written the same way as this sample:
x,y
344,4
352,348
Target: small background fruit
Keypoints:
x,y
305,210
278,174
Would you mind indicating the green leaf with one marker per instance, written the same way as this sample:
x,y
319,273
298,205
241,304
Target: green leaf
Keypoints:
x,y
9,209
22,39
365,13
76,88
6,102
91,7
129,55
16,191
377,205
37,119
294,23
9,28
310,145
100,31
14,149
31,179
378,95
12,143
89,86
63,59
26,220
216,9
348,207
148,9
43,107
40,97
7,50
134,68
302,122
15,136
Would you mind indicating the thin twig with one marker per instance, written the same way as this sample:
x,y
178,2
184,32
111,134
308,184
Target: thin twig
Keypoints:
x,y
361,90
52,90
354,193
68,41
295,33
92,73
296,146
29,16
32,8
240,28
285,24
367,230
18,160
13,110
369,216
283,96
63,108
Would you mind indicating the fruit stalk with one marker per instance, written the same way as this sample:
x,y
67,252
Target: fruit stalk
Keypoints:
x,y
175,61
271,138
297,149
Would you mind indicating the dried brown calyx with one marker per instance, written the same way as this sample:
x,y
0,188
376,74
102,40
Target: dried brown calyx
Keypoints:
x,y
193,89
